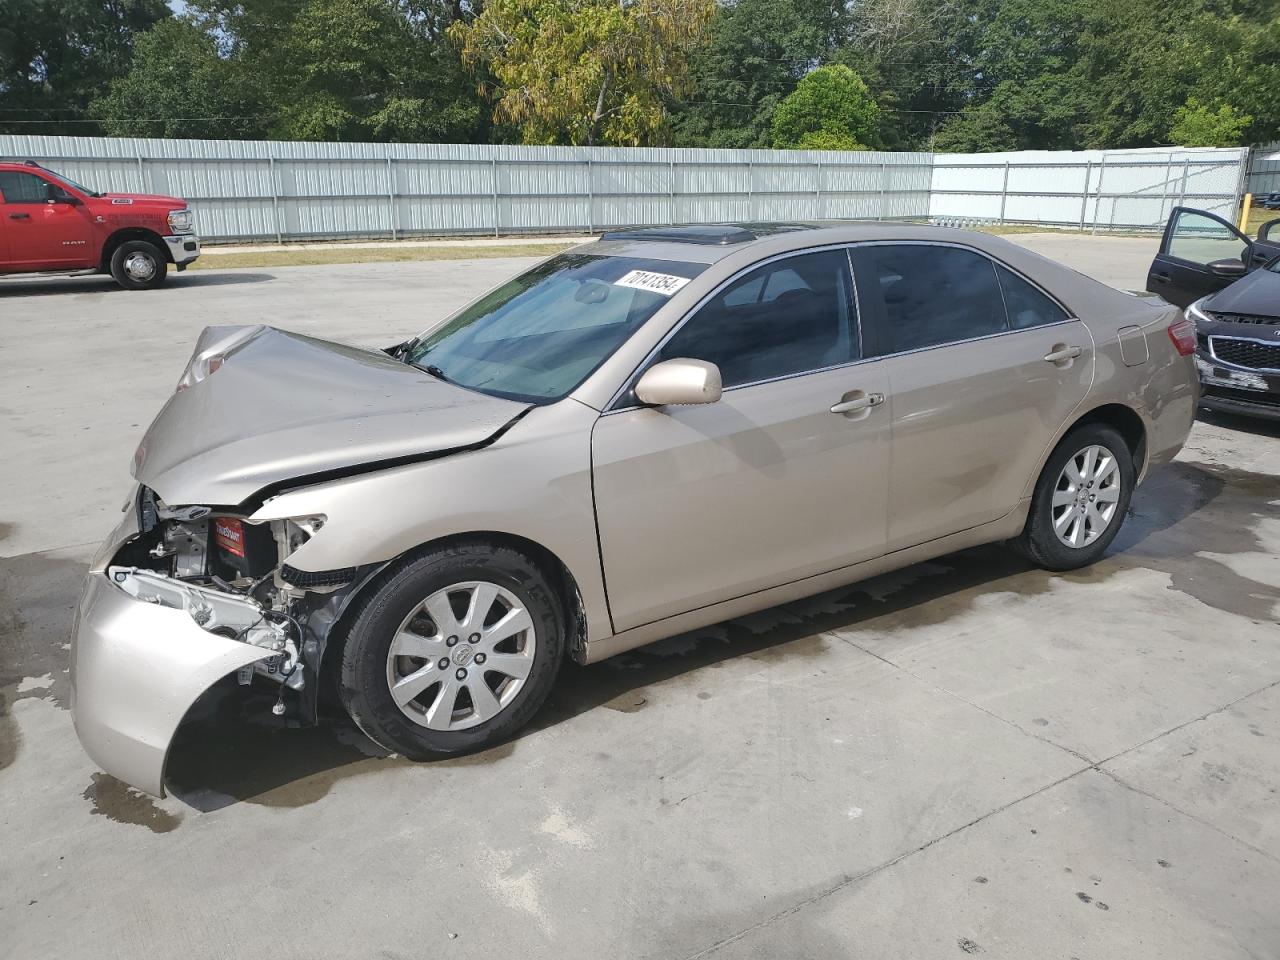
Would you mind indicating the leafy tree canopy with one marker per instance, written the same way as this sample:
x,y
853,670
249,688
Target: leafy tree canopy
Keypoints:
x,y
585,71
830,109
1196,125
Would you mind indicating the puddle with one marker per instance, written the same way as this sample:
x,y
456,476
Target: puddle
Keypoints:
x,y
123,804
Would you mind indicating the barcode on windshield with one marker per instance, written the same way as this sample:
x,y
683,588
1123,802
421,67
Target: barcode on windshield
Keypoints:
x,y
663,283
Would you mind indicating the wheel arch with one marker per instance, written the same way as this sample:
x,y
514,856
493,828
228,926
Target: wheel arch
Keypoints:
x,y
551,566
1127,421
124,235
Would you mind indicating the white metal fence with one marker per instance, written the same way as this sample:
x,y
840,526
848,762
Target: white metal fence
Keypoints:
x,y
1095,190
259,190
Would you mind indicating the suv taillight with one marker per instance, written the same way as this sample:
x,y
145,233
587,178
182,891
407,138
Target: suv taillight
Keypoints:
x,y
1183,334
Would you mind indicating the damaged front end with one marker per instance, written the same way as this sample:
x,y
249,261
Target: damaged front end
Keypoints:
x,y
180,597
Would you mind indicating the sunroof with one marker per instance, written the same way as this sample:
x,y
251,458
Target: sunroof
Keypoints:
x,y
711,234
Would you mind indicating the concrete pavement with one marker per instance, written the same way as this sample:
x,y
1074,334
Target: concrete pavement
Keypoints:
x,y
969,757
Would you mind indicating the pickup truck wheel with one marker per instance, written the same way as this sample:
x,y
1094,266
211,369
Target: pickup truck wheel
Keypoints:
x,y
454,651
139,265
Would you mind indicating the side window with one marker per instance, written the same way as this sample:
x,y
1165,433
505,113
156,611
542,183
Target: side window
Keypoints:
x,y
787,317
1026,306
1202,239
23,187
930,294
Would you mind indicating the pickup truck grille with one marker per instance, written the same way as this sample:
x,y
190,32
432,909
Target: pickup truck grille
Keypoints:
x,y
1249,354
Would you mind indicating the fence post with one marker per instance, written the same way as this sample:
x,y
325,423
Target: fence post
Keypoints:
x,y
1004,191
275,197
817,189
391,198
671,190
142,177
1084,194
591,197
884,179
1182,193
1097,197
751,191
493,166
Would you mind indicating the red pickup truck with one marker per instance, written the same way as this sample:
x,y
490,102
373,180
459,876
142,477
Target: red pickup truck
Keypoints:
x,y
49,224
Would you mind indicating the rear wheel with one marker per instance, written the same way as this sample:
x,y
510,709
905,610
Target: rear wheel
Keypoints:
x,y
139,265
455,651
1080,499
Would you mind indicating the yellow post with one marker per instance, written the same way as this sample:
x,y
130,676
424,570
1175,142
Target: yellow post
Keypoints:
x,y
1244,213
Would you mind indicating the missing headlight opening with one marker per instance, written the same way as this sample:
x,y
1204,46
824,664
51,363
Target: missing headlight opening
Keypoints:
x,y
224,571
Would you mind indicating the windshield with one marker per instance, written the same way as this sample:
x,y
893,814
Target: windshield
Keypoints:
x,y
72,183
538,336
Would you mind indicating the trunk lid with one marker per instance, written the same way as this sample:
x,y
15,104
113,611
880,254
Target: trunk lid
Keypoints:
x,y
284,407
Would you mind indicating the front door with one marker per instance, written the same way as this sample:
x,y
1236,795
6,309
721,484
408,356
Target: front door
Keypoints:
x,y
43,234
768,485
1200,253
983,368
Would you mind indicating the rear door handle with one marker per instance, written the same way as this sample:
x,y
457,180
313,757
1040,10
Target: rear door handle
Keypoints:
x,y
864,402
19,216
1061,354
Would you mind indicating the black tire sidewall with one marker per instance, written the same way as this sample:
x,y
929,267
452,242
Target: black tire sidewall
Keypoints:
x,y
363,675
1040,542
122,277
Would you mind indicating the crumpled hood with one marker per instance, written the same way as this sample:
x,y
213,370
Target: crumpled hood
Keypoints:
x,y
283,407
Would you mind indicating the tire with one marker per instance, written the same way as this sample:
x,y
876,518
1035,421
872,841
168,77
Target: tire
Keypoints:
x,y
426,665
1077,519
139,265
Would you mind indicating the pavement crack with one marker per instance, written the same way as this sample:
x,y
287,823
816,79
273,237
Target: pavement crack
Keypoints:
x,y
1190,816
871,872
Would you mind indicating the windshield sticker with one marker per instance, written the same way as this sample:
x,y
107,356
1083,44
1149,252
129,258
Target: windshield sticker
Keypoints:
x,y
662,283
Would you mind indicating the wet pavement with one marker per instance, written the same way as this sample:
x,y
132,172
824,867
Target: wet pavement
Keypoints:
x,y
967,757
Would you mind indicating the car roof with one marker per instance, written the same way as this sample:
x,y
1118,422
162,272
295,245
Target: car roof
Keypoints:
x,y
709,243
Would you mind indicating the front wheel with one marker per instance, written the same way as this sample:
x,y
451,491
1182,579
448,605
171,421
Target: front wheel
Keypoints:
x,y
139,265
1080,499
455,651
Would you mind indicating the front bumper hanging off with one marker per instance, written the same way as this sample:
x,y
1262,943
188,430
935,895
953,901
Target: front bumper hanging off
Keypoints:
x,y
136,668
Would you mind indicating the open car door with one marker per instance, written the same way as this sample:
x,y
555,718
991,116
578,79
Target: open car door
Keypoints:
x,y
1199,254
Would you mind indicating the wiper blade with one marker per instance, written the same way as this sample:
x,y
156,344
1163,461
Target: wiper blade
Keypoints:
x,y
432,369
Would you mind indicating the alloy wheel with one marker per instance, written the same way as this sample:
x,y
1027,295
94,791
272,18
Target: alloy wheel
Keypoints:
x,y
461,656
1086,496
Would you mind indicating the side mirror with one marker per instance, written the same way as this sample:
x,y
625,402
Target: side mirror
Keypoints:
x,y
678,382
1227,268
1264,231
54,195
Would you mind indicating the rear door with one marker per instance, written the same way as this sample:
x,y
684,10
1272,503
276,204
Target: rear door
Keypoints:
x,y
43,234
1199,254
983,368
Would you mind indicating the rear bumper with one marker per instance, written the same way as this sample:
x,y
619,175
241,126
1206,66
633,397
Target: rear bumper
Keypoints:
x,y
136,668
183,248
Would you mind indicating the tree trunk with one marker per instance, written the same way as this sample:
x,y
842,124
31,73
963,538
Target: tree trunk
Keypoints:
x,y
593,131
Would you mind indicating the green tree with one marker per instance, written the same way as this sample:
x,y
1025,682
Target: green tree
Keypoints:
x,y
58,55
180,86
756,53
830,109
585,71
1195,124
980,129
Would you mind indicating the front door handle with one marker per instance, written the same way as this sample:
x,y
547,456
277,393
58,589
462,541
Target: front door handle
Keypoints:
x,y
19,216
1062,354
864,402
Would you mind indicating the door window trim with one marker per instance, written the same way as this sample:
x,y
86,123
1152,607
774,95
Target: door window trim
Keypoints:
x,y
629,381
1069,318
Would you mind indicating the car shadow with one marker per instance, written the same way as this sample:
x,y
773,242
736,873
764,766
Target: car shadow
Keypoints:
x,y
1259,426
99,283
230,749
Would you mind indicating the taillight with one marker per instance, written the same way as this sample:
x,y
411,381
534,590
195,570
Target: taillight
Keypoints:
x,y
1183,334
